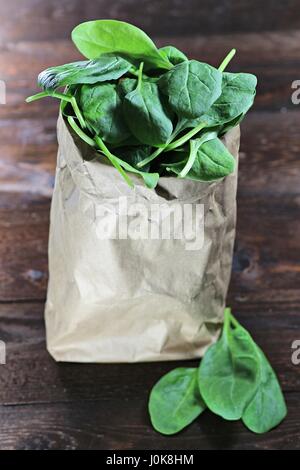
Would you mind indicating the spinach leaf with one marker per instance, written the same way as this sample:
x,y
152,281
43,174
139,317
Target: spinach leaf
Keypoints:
x,y
101,106
154,109
134,155
238,92
126,85
267,408
235,381
195,145
229,125
146,116
94,38
130,141
150,179
191,87
174,55
211,161
175,401
66,107
228,372
106,67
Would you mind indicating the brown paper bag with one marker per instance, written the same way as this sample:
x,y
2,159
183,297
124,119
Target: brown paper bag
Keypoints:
x,y
128,298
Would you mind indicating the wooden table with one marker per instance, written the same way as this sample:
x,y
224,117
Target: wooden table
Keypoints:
x,y
44,405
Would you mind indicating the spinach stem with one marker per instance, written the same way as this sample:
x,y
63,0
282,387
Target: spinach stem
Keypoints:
x,y
227,318
134,72
113,159
182,140
190,160
172,145
227,59
38,96
80,133
234,320
53,94
63,97
98,142
151,157
78,112
140,75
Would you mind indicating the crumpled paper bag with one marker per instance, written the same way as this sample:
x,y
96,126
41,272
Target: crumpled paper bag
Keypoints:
x,y
134,299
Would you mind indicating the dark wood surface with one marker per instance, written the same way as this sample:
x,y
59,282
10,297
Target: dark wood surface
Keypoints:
x,y
44,405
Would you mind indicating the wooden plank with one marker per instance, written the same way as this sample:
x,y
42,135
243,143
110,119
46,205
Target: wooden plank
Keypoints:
x,y
273,57
269,161
23,245
54,19
124,425
31,375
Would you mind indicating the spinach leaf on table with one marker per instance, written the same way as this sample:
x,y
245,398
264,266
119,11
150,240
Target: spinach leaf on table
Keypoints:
x,y
94,38
106,67
235,381
175,401
228,372
146,115
191,87
101,106
267,407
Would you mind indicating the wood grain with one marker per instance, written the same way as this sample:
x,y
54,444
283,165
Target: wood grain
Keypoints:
x,y
22,328
40,20
24,230
48,405
124,425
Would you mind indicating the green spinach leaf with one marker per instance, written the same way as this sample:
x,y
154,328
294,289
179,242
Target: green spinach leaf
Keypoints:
x,y
174,55
106,67
126,85
101,106
235,381
211,160
191,87
146,116
195,145
267,408
238,92
110,110
150,179
228,372
134,155
175,401
94,38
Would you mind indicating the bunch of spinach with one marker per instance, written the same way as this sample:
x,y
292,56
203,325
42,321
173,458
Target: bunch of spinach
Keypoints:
x,y
149,111
234,380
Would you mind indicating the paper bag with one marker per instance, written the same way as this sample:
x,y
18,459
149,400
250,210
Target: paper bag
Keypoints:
x,y
130,297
